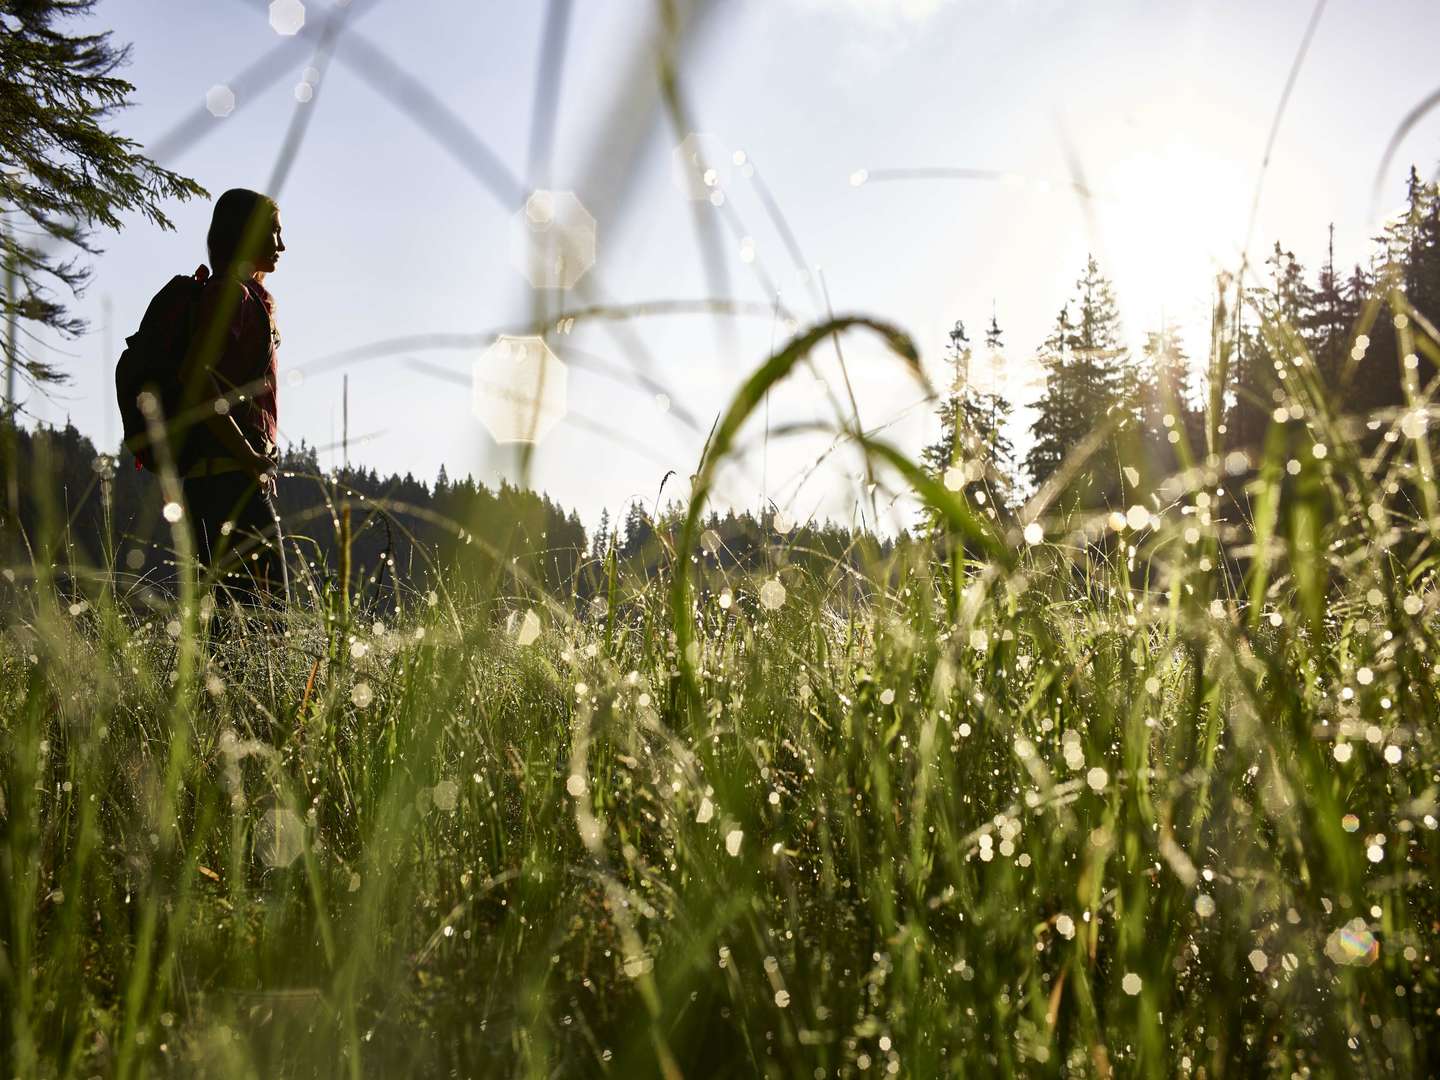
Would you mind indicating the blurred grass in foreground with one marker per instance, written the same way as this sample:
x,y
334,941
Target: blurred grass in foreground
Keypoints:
x,y
1112,794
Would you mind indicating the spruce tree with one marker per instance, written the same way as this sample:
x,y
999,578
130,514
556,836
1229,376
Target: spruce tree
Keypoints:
x,y
1088,378
972,454
62,171
1328,327
1166,384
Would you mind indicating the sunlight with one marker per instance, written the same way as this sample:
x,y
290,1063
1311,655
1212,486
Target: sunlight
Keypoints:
x,y
1169,218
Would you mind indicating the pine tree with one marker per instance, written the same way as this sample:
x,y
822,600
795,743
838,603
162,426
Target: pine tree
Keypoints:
x,y
600,545
637,531
1330,319
62,173
1166,383
1088,378
972,454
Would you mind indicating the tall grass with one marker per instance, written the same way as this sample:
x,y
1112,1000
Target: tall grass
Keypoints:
x,y
1150,793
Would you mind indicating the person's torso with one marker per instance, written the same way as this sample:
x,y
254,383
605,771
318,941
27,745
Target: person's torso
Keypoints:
x,y
243,368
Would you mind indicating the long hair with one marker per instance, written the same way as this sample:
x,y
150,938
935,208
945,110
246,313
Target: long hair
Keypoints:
x,y
241,217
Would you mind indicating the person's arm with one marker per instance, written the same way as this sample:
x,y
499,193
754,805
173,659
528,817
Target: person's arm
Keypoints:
x,y
233,439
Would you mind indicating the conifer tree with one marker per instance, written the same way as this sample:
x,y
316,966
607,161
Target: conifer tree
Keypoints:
x,y
1328,326
1087,377
62,172
972,454
1166,383
600,544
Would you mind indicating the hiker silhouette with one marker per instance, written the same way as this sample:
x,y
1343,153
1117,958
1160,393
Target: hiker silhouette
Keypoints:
x,y
228,459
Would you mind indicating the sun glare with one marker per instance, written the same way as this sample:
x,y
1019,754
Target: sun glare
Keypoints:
x,y
1169,217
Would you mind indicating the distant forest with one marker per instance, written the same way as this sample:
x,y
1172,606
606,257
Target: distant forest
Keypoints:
x,y
1332,342
404,533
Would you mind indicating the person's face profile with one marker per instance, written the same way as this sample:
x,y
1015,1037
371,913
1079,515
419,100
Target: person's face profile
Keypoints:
x,y
268,257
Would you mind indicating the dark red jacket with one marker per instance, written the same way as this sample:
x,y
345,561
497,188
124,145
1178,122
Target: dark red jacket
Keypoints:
x,y
242,368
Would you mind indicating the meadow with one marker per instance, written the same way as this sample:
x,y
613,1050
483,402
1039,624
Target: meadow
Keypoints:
x,y
1064,793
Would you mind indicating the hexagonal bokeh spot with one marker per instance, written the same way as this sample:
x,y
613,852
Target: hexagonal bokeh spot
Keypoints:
x,y
220,100
287,16
554,241
279,837
519,389
700,166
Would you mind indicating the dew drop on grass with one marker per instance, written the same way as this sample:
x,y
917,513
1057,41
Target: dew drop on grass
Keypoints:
x,y
1097,778
1034,533
173,512
1204,905
726,599
733,839
575,785
1350,823
782,998
1258,960
1131,984
1065,926
1393,754
705,813
361,695
1342,752
1365,676
887,696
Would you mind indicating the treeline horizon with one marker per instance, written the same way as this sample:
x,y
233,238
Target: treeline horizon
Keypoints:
x,y
403,533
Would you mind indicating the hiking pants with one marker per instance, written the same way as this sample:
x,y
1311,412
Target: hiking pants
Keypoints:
x,y
238,537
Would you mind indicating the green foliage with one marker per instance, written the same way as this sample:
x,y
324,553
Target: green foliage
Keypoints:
x,y
62,171
973,453
1088,379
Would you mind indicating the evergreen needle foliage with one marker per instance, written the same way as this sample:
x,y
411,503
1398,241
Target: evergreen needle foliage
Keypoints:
x,y
62,171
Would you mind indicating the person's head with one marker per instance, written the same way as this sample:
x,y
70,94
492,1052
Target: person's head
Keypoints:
x,y
244,238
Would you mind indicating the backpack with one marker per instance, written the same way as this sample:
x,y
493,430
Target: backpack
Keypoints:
x,y
152,361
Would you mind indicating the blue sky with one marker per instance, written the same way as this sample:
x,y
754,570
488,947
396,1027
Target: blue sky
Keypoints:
x,y
1165,107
